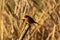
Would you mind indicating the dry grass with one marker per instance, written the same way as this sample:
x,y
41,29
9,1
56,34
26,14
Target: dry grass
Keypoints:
x,y
45,12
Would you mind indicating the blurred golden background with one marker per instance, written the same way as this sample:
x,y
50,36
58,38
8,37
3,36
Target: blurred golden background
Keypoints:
x,y
44,12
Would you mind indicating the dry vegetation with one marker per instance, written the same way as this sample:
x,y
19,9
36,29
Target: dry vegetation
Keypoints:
x,y
45,12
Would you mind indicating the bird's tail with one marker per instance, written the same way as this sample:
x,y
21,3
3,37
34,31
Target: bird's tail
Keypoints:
x,y
37,23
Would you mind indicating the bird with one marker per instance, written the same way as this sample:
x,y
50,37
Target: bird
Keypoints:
x,y
29,20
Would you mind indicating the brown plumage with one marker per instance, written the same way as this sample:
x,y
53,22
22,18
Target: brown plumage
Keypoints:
x,y
29,20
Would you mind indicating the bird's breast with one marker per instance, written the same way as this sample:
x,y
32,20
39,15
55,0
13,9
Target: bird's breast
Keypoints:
x,y
26,20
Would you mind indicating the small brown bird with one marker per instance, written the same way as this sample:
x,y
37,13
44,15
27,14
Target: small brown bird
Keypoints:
x,y
29,20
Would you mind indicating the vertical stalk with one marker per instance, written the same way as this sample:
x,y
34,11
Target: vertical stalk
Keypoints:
x,y
2,9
